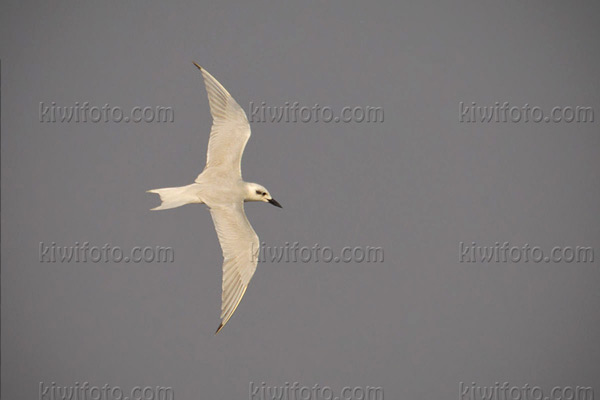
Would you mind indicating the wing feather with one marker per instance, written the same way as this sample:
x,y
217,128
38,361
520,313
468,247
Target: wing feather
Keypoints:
x,y
230,130
240,246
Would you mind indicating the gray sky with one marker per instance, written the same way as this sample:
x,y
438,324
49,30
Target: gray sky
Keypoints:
x,y
417,185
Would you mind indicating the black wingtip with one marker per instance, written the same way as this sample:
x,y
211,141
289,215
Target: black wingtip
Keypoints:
x,y
219,328
197,66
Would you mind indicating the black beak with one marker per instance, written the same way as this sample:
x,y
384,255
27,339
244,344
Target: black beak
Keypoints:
x,y
275,203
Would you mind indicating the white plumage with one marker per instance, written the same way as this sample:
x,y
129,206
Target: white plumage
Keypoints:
x,y
221,188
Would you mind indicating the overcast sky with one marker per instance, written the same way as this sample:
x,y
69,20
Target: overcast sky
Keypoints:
x,y
433,185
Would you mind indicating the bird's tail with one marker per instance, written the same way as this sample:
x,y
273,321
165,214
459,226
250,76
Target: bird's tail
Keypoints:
x,y
177,196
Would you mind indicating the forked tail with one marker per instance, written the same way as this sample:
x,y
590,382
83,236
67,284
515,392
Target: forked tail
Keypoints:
x,y
177,196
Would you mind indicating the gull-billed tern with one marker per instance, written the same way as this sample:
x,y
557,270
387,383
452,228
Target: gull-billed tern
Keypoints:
x,y
221,188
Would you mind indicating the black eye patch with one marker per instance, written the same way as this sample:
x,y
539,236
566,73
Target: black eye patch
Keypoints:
x,y
259,192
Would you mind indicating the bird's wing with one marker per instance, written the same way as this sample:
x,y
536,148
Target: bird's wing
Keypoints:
x,y
240,248
230,130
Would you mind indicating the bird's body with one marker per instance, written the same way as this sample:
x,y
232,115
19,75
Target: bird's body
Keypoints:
x,y
220,186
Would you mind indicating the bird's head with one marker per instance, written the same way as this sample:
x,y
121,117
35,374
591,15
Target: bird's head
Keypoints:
x,y
256,192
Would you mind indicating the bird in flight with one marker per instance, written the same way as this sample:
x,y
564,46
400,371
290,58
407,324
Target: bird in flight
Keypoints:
x,y
221,188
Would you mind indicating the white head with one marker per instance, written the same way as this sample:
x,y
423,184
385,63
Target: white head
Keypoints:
x,y
256,192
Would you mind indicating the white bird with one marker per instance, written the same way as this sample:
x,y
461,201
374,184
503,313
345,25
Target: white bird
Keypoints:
x,y
221,188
